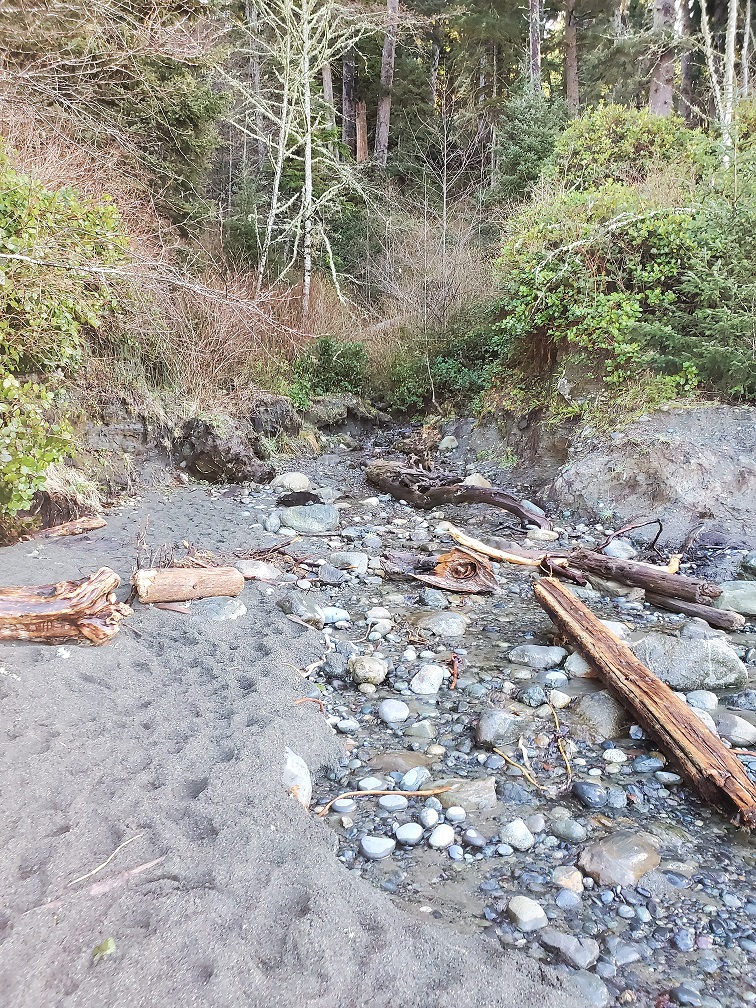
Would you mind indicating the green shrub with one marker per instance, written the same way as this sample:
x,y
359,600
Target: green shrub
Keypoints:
x,y
615,143
526,136
47,304
29,442
330,366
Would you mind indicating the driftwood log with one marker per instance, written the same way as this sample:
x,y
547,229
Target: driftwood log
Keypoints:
x,y
72,528
642,575
427,491
181,584
65,611
723,619
713,769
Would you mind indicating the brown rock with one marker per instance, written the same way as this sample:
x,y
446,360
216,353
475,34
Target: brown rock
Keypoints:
x,y
619,859
401,761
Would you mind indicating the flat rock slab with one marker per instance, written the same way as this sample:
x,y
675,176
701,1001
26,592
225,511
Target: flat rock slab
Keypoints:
x,y
619,859
310,518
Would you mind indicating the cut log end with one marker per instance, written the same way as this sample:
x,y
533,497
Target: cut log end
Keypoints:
x,y
184,584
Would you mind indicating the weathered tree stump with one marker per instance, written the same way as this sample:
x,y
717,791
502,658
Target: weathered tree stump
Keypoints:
x,y
68,610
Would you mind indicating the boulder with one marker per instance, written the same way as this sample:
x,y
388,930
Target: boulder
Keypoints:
x,y
310,518
498,727
213,449
538,656
736,729
294,481
689,664
601,716
444,624
740,596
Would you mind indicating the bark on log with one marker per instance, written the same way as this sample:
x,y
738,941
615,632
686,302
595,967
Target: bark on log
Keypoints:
x,y
712,769
426,491
723,619
182,584
65,611
653,579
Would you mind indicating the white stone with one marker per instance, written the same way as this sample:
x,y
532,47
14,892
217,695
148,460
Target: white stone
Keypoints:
x,y
296,777
428,680
367,669
476,480
578,667
704,700
517,835
526,914
456,814
441,837
429,817
558,699
449,443
537,656
542,535
293,481
393,711
378,613
375,848
409,834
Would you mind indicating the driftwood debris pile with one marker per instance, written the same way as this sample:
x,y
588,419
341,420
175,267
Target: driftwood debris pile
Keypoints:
x,y
69,610
710,767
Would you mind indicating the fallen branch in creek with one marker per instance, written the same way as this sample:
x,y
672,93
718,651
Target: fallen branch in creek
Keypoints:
x,y
723,619
711,768
85,609
368,794
428,491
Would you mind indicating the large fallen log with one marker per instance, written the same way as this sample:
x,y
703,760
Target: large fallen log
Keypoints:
x,y
182,584
427,491
72,528
643,575
65,611
713,770
723,619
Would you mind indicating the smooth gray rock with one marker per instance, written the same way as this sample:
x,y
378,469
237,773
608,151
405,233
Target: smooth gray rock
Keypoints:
x,y
592,988
218,610
375,848
740,596
310,518
497,727
393,802
294,481
475,793
428,680
620,549
574,950
526,914
393,711
569,830
409,834
736,729
356,563
687,665
444,624
704,700
537,656
600,715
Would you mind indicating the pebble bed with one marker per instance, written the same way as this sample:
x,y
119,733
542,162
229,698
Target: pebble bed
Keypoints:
x,y
612,870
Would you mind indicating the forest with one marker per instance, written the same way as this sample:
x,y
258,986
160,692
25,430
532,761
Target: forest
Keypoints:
x,y
478,205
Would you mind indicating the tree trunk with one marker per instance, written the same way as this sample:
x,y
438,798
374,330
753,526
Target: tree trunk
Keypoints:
x,y
713,770
435,60
328,99
724,619
307,187
383,119
362,134
660,100
642,575
70,610
181,584
728,76
348,101
571,87
745,53
534,48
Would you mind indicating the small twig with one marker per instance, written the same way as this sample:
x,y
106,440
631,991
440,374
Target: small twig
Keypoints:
x,y
453,664
104,864
366,794
311,699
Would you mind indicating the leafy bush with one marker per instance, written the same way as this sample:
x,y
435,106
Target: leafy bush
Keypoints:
x,y
615,143
526,136
46,304
330,366
28,442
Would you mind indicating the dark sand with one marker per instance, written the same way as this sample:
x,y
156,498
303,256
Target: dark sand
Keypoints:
x,y
175,734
